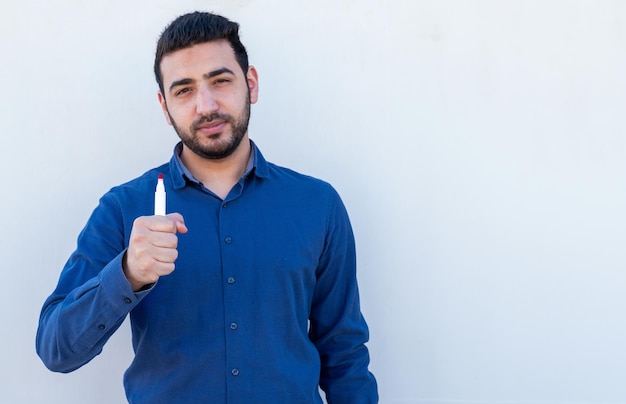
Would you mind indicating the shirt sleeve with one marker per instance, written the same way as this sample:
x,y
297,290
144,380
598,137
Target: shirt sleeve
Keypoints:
x,y
338,328
92,297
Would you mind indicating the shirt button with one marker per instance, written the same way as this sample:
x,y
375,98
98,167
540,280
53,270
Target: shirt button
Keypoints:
x,y
231,280
127,300
101,327
233,326
234,372
225,205
228,240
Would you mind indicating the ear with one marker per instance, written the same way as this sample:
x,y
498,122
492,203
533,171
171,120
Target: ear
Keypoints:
x,y
164,108
253,84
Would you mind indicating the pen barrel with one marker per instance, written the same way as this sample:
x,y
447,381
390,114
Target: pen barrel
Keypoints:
x,y
159,203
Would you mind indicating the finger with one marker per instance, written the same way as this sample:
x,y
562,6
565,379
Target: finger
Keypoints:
x,y
162,224
165,255
164,240
163,268
163,261
144,224
157,269
181,227
160,261
176,216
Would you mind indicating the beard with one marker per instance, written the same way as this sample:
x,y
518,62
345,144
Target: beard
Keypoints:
x,y
221,145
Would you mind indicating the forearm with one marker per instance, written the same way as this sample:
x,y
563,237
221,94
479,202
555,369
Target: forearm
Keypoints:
x,y
74,327
344,376
338,328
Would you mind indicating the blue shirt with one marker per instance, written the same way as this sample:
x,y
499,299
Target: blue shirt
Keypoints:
x,y
263,305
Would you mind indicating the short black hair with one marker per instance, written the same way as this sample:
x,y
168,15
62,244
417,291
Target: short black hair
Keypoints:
x,y
196,28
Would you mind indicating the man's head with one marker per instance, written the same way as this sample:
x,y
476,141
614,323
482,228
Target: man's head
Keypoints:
x,y
196,28
206,85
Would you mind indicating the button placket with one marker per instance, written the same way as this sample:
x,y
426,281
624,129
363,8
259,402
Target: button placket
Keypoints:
x,y
228,235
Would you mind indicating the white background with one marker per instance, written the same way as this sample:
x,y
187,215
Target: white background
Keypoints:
x,y
478,145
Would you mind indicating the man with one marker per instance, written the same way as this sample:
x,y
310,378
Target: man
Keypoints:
x,y
248,294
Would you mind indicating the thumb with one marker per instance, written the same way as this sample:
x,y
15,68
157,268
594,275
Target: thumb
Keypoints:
x,y
181,227
180,222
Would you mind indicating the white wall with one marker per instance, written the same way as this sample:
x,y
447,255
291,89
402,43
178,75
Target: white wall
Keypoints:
x,y
478,145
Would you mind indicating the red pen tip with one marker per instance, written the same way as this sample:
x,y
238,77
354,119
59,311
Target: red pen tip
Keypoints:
x,y
160,176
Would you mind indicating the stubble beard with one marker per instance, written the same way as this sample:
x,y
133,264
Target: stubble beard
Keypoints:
x,y
224,144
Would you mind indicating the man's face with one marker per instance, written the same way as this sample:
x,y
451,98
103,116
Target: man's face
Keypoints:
x,y
206,98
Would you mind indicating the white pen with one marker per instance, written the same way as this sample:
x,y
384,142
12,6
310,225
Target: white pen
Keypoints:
x,y
159,197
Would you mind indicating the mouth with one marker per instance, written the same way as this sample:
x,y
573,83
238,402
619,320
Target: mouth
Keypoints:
x,y
211,128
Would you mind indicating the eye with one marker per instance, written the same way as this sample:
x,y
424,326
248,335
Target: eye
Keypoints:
x,y
182,91
222,81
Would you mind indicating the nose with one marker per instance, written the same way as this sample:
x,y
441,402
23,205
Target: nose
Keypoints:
x,y
205,102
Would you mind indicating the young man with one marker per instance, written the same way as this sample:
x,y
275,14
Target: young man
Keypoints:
x,y
248,293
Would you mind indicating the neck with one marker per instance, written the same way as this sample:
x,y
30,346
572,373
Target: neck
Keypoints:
x,y
221,175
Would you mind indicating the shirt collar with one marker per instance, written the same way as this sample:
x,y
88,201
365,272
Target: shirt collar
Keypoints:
x,y
257,165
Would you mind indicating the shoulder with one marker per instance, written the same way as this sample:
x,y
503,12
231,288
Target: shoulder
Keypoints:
x,y
122,204
137,193
289,179
146,180
315,196
293,187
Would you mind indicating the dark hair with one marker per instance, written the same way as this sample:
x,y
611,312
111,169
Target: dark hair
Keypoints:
x,y
196,28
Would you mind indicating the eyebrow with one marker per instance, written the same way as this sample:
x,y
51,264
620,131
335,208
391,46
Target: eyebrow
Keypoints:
x,y
217,72
206,76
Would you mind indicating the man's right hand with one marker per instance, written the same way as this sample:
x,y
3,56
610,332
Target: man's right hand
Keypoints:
x,y
152,248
